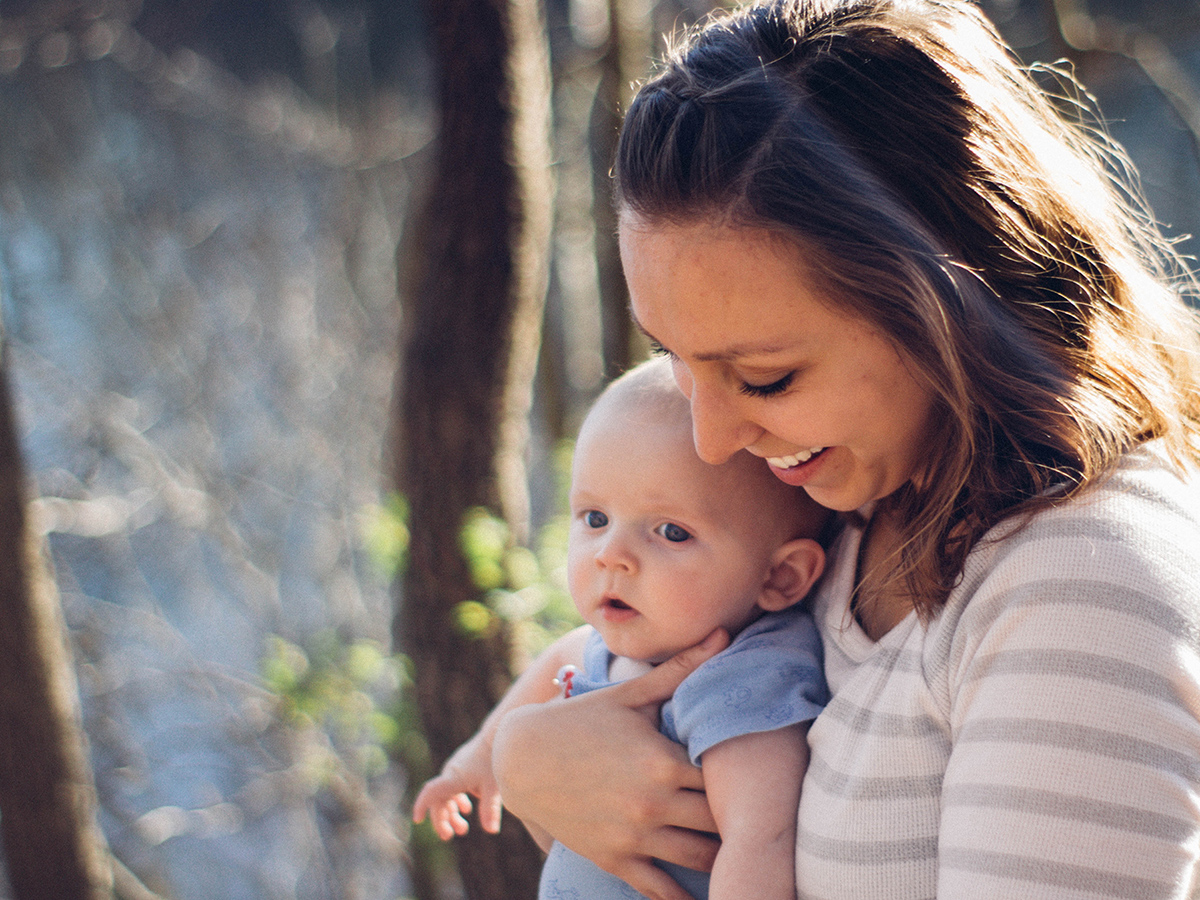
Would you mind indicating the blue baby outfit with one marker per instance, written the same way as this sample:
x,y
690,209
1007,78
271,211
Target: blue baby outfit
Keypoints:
x,y
769,677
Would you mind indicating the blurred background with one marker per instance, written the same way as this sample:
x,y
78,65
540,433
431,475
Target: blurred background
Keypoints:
x,y
216,231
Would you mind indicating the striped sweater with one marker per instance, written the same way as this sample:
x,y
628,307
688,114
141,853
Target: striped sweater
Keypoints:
x,y
1040,738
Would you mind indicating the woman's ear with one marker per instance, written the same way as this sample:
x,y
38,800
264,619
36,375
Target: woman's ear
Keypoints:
x,y
795,568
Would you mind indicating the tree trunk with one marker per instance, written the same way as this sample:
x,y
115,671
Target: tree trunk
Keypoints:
x,y
625,58
52,844
474,282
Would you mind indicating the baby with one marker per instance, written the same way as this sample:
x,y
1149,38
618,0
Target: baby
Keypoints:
x,y
663,549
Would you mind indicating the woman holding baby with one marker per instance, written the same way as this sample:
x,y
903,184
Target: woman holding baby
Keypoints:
x,y
881,260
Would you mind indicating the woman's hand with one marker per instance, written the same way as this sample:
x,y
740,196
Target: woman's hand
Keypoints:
x,y
595,773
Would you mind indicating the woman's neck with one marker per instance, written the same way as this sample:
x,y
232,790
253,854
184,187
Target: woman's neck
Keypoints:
x,y
880,607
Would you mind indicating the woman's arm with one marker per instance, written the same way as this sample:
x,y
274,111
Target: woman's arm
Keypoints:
x,y
595,773
753,786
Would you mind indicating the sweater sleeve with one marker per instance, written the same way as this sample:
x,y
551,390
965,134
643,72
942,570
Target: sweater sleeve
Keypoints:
x,y
1072,692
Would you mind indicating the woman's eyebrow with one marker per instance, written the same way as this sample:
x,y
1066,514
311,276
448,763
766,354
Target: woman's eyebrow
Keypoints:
x,y
647,335
728,354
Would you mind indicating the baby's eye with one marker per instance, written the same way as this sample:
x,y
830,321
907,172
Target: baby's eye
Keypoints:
x,y
674,533
595,519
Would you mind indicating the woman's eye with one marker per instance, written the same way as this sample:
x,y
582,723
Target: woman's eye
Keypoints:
x,y
674,533
658,349
768,390
595,519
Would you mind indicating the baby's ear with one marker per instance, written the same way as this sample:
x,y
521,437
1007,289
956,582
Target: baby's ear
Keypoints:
x,y
795,568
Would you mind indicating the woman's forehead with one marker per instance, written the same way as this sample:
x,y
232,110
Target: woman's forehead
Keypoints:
x,y
724,294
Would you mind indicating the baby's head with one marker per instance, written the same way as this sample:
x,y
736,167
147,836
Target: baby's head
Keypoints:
x,y
664,547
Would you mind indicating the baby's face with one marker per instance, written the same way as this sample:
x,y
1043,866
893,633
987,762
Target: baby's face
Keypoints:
x,y
663,547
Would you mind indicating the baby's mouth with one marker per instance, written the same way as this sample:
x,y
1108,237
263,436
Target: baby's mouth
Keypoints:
x,y
616,610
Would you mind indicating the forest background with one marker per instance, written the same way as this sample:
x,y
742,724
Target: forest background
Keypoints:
x,y
302,301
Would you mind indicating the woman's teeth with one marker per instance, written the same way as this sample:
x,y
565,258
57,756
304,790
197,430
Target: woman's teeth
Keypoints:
x,y
786,462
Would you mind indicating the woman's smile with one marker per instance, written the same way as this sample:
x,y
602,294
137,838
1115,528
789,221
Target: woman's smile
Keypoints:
x,y
788,462
797,469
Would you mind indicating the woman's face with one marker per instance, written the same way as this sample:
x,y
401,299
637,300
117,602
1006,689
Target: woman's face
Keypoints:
x,y
827,399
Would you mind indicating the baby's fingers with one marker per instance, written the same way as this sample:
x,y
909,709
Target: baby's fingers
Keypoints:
x,y
449,818
436,792
490,808
660,682
423,804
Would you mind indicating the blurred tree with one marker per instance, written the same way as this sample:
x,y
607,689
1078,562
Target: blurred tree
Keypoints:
x,y
474,279
53,847
625,58
1137,61
1076,32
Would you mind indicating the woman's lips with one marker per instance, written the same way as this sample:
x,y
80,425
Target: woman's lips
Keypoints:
x,y
797,468
789,462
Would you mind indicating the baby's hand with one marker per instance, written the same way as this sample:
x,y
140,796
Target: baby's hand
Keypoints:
x,y
444,798
447,807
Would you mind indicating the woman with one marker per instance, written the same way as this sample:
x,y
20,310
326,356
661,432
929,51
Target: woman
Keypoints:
x,y
879,259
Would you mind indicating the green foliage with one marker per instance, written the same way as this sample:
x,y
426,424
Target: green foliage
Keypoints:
x,y
484,541
354,703
350,691
526,587
348,708
360,696
538,606
521,586
384,530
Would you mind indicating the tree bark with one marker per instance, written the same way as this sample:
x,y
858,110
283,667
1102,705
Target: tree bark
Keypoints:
x,y
474,283
53,846
625,58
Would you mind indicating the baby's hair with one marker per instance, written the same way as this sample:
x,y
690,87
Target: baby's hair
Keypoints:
x,y
650,384
937,192
649,390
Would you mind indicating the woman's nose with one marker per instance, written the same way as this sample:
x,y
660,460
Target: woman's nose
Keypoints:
x,y
718,427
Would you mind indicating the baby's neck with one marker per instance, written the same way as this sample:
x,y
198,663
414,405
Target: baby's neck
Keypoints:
x,y
622,668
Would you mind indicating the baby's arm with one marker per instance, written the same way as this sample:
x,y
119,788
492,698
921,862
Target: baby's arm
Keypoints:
x,y
753,786
469,770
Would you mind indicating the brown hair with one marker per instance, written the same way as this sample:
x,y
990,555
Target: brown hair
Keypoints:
x,y
940,194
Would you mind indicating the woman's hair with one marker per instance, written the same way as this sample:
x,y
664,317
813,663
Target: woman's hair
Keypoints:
x,y
937,192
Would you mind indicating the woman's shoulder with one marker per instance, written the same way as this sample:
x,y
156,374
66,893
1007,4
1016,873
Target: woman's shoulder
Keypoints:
x,y
1141,520
1146,489
1112,571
